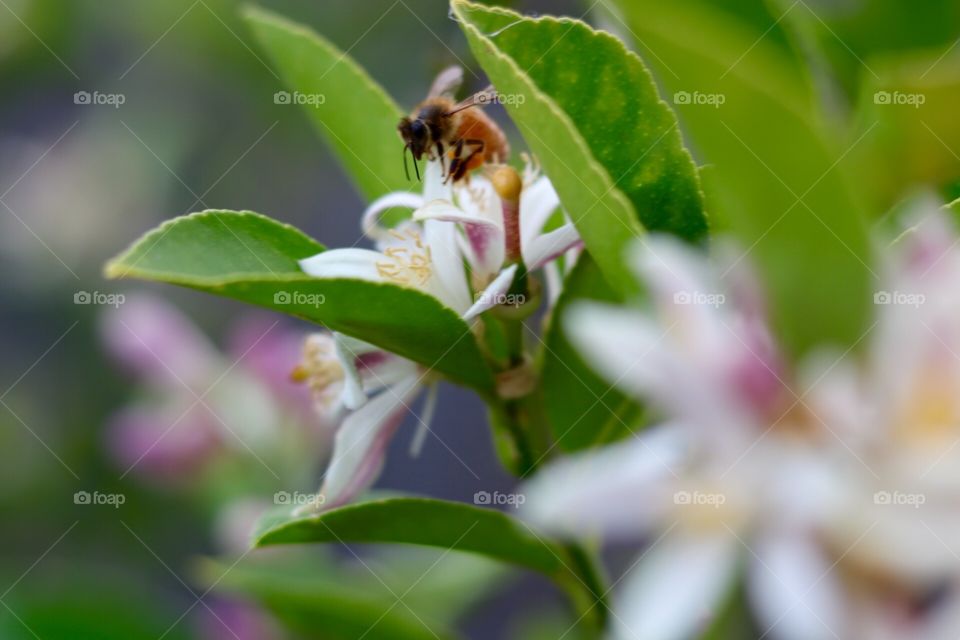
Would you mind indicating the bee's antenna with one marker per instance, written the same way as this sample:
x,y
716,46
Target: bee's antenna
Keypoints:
x,y
406,168
416,167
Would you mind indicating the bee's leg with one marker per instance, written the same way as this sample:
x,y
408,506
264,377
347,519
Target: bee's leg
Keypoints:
x,y
464,163
456,162
443,168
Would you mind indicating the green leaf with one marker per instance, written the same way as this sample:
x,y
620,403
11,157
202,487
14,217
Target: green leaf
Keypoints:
x,y
583,408
421,521
910,112
591,114
779,178
357,117
249,257
323,608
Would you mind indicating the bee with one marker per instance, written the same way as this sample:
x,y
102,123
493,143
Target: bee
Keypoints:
x,y
439,126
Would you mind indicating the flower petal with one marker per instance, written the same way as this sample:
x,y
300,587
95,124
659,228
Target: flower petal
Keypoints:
x,y
674,591
370,222
344,263
494,294
538,201
597,491
543,248
484,233
361,443
793,591
433,183
448,280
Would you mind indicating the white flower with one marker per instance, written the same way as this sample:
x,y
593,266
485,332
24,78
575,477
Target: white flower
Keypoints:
x,y
707,361
836,487
428,253
341,372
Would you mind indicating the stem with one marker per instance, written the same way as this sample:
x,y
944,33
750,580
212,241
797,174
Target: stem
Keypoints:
x,y
585,587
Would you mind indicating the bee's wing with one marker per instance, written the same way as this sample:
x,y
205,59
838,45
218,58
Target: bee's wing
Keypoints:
x,y
446,82
480,98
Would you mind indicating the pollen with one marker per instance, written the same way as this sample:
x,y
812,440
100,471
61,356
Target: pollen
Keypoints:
x,y
319,369
407,262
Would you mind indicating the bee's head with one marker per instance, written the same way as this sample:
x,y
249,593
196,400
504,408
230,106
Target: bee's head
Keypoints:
x,y
416,135
416,138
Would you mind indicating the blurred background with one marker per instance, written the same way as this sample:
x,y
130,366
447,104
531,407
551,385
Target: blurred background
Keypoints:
x,y
121,470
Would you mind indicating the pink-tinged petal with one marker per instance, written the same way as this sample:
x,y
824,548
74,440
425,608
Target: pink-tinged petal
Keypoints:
x,y
344,263
544,248
368,368
156,341
348,353
448,281
677,587
484,236
371,216
168,444
361,443
495,293
597,492
538,201
794,590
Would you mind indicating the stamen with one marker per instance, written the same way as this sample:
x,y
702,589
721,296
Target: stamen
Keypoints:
x,y
409,263
319,369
